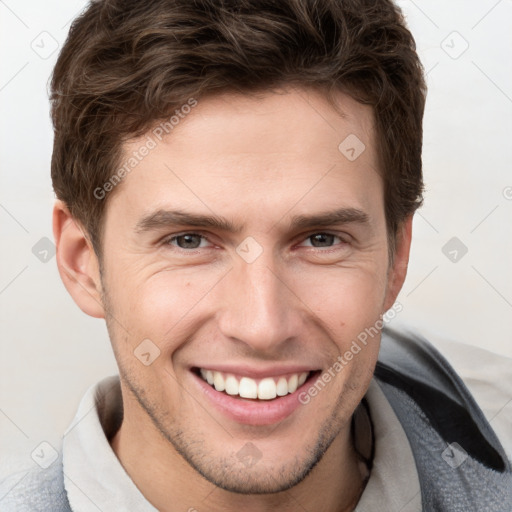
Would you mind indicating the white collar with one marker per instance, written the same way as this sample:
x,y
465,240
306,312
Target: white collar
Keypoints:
x,y
394,482
93,476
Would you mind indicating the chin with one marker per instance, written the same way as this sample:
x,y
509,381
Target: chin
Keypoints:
x,y
258,479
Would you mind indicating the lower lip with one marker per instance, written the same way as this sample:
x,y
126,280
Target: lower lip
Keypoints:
x,y
253,412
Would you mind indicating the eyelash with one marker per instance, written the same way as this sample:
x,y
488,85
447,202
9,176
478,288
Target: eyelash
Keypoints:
x,y
168,240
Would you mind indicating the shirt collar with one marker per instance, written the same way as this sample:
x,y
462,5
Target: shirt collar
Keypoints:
x,y
93,476
393,482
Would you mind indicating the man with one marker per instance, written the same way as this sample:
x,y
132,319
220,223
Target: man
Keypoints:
x,y
236,185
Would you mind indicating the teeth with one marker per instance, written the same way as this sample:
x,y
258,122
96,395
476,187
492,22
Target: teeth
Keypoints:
x,y
266,389
218,381
282,387
248,388
293,381
231,385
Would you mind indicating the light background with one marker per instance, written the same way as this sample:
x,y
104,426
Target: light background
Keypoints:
x,y
51,352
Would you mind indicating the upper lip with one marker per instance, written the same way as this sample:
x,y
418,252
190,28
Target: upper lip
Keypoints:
x,y
245,370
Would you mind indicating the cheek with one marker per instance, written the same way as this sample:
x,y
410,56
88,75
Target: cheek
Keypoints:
x,y
344,297
158,302
349,304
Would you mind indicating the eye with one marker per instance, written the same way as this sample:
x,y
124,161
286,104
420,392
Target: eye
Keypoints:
x,y
319,240
187,241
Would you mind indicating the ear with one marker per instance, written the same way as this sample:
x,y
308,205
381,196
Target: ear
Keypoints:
x,y
77,262
398,268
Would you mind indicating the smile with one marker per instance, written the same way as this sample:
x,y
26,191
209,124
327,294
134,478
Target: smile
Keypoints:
x,y
246,387
253,397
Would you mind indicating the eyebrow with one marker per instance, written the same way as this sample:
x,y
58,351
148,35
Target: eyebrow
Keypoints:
x,y
324,219
166,218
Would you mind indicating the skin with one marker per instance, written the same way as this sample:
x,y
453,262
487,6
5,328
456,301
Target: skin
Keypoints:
x,y
257,162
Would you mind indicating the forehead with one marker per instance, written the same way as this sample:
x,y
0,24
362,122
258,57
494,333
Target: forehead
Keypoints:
x,y
269,124
298,117
273,149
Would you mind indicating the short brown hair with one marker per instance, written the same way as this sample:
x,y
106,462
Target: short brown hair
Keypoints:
x,y
128,64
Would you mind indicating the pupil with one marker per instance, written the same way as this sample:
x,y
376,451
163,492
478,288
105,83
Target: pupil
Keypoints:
x,y
190,241
323,239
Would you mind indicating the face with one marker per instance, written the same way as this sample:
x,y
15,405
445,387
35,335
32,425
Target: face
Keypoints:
x,y
242,256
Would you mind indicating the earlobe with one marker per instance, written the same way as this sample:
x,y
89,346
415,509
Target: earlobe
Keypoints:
x,y
77,262
398,270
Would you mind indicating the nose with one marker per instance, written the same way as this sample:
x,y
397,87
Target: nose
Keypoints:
x,y
259,308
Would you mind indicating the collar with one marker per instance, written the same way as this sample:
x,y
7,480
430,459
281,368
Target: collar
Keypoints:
x,y
393,483
93,476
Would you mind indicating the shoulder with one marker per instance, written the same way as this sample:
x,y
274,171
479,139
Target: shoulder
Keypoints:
x,y
35,489
488,376
468,375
